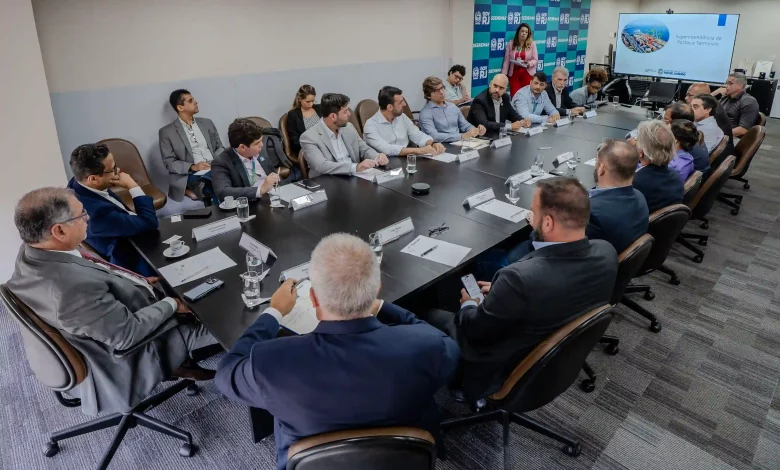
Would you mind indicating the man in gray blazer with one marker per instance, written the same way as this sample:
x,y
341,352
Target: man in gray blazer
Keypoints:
x,y
187,145
563,278
242,171
99,307
333,146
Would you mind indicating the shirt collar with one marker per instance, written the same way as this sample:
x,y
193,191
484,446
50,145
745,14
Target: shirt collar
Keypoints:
x,y
540,245
71,252
382,119
707,120
103,193
187,125
345,327
331,134
434,105
244,160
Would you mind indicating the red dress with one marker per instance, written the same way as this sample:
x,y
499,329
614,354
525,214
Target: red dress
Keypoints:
x,y
520,77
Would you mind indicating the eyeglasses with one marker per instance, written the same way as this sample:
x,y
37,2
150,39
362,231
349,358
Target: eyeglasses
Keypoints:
x,y
82,216
458,77
432,232
115,170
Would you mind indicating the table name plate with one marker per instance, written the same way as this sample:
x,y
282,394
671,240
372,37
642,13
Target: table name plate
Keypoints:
x,y
564,157
502,142
535,130
562,122
256,248
395,231
466,156
391,175
308,200
298,273
478,198
590,114
213,229
521,177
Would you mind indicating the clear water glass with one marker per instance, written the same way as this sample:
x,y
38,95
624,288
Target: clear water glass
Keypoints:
x,y
411,164
537,168
254,263
514,191
242,208
251,287
503,132
615,101
276,199
375,241
650,114
574,160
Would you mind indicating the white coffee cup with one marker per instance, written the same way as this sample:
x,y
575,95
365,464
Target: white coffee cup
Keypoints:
x,y
177,246
229,202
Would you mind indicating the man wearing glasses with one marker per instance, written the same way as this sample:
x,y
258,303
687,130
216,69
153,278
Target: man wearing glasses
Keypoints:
x,y
454,90
112,223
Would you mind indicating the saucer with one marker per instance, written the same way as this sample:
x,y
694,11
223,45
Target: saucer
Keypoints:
x,y
167,253
225,207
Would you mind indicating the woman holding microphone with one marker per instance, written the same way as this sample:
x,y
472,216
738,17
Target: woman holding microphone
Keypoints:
x,y
520,59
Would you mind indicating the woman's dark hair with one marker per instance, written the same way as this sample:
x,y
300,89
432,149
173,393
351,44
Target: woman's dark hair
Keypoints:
x,y
303,92
596,75
528,40
686,133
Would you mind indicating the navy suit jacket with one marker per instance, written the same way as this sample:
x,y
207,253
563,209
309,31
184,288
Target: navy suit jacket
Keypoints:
x,y
619,216
660,185
343,375
110,227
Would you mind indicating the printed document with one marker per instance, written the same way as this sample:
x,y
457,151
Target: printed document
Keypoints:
x,y
436,250
196,267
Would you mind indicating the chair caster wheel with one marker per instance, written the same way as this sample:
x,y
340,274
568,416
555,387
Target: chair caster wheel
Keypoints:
x,y
192,390
702,242
734,211
698,259
188,450
572,451
479,406
655,327
50,449
746,186
738,200
649,295
674,281
587,386
612,349
705,225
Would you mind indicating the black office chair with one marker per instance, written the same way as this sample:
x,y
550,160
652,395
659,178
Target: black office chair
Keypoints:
x,y
365,110
745,150
365,449
303,165
61,367
691,187
539,378
703,202
724,142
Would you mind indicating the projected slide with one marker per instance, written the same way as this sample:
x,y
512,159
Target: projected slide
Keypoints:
x,y
682,46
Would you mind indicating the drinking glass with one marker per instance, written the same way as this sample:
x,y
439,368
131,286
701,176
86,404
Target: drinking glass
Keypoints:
x,y
254,263
411,164
242,208
574,160
375,240
514,191
276,199
537,169
503,133
615,101
650,114
251,287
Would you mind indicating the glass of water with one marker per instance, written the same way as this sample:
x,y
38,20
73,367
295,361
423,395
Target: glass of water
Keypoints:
x,y
537,169
615,101
650,114
276,200
503,132
251,287
375,240
411,164
242,208
514,191
574,160
254,263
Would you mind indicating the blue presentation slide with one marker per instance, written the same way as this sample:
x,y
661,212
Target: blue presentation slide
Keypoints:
x,y
694,47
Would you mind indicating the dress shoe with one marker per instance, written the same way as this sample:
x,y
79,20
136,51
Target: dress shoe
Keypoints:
x,y
192,371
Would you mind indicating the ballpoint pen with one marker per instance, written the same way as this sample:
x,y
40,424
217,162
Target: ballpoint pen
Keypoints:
x,y
428,251
194,274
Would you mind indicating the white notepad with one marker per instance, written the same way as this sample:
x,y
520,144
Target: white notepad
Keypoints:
x,y
291,191
302,318
503,209
444,253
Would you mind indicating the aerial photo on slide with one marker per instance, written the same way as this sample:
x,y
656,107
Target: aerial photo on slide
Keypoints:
x,y
645,38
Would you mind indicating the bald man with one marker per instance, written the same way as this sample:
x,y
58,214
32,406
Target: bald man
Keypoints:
x,y
492,108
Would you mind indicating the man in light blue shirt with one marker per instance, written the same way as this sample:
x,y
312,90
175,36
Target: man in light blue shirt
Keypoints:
x,y
531,102
704,107
390,131
442,120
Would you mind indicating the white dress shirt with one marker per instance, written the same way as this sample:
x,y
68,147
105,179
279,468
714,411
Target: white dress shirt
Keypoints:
x,y
134,193
713,134
391,137
257,175
342,154
198,142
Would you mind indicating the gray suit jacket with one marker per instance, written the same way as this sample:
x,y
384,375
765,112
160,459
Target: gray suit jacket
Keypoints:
x,y
97,312
177,153
318,150
229,178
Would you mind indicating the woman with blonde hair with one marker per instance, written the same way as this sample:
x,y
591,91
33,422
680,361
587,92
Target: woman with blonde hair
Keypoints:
x,y
520,59
303,115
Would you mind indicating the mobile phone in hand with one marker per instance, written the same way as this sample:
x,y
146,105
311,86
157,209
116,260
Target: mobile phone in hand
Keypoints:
x,y
472,289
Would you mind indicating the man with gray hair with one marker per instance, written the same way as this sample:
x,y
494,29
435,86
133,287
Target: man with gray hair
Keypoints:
x,y
99,307
661,185
740,107
559,93
367,363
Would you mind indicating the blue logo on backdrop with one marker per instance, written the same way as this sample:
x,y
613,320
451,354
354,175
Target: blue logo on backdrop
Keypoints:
x,y
541,18
552,40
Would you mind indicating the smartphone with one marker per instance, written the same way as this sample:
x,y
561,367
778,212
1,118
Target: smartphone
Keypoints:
x,y
201,290
471,287
198,214
309,184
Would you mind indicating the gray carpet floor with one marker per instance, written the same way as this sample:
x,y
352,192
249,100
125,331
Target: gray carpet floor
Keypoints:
x,y
703,393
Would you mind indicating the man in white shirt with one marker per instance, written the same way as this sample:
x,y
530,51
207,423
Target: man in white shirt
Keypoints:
x,y
704,107
241,171
113,223
390,131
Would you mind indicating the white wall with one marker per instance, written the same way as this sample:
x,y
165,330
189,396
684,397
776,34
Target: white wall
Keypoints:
x,y
757,34
603,25
462,24
30,154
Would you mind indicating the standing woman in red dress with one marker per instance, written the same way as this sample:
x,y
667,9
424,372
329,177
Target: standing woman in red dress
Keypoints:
x,y
520,59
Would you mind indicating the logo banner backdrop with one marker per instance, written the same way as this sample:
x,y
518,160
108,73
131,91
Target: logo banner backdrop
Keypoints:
x,y
560,31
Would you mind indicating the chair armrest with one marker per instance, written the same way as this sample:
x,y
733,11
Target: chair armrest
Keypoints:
x,y
158,332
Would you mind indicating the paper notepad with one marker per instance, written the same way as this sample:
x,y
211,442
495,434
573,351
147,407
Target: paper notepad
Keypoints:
x,y
443,252
504,210
443,157
302,318
291,191
196,267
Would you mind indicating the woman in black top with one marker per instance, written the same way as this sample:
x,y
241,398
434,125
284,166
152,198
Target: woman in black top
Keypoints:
x,y
303,115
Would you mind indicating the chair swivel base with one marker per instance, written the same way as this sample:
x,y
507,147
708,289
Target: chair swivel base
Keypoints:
x,y
702,241
675,281
655,325
128,420
726,198
588,385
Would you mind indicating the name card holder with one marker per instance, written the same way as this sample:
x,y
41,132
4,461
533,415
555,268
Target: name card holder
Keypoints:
x,y
395,231
466,156
535,130
502,142
590,114
521,177
308,200
478,198
562,122
389,176
298,273
563,158
213,229
256,248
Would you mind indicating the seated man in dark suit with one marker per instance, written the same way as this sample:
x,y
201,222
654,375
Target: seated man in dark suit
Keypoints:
x,y
564,277
559,93
112,223
660,184
618,212
492,108
367,363
241,171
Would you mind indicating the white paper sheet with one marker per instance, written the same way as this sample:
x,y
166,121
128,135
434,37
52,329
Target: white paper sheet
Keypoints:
x,y
198,266
473,144
591,162
444,157
175,218
504,210
291,191
369,174
201,172
302,319
171,240
445,253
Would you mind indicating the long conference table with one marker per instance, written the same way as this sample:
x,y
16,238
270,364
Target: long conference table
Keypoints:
x,y
360,207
